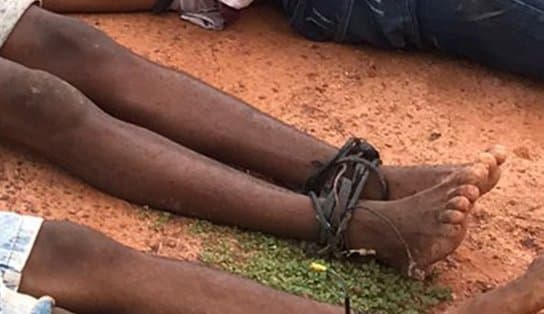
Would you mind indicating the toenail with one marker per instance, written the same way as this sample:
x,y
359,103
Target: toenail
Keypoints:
x,y
479,172
488,160
499,152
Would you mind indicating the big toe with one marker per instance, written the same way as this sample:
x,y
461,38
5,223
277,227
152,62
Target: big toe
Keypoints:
x,y
476,174
499,152
492,159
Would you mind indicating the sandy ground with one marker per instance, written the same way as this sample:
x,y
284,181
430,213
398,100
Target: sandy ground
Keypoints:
x,y
416,108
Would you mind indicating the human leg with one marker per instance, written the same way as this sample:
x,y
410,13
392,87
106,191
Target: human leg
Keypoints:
x,y
49,116
87,272
525,295
98,6
186,110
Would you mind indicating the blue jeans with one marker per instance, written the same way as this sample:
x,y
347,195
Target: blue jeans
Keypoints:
x,y
506,34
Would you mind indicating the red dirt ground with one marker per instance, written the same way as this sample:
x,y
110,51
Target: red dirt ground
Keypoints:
x,y
417,108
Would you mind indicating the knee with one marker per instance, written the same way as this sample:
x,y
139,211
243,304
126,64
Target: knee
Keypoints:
x,y
71,242
34,103
58,43
73,253
70,263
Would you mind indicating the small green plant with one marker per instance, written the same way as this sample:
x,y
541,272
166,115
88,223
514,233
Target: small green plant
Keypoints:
x,y
161,220
283,265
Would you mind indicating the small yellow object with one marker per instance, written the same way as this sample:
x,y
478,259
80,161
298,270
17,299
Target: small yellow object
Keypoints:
x,y
318,268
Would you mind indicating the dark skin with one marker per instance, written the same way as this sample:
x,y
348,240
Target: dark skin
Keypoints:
x,y
118,86
57,121
164,137
84,261
102,6
522,295
79,6
155,160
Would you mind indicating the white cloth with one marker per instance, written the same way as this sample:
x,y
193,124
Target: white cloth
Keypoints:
x,y
237,4
206,13
11,12
18,235
12,302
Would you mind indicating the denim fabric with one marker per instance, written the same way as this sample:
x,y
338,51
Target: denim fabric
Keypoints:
x,y
384,23
17,237
507,34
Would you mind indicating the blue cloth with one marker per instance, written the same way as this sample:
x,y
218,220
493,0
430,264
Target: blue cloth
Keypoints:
x,y
506,34
17,237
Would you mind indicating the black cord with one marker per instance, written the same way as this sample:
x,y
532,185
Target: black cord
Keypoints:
x,y
336,189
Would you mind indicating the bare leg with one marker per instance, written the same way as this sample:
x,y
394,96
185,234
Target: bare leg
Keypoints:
x,y
98,5
524,295
74,264
186,110
49,116
88,273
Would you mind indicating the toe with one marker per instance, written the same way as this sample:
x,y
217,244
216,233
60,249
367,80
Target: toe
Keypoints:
x,y
488,160
494,178
454,232
499,153
476,174
456,209
492,160
459,203
471,192
452,217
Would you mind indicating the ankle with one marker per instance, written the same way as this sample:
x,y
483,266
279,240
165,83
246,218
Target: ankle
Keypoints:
x,y
366,230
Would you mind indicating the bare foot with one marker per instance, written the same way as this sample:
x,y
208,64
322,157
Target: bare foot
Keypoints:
x,y
417,231
524,295
409,180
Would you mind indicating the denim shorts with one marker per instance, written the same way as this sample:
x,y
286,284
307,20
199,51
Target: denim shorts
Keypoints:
x,y
505,34
17,237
